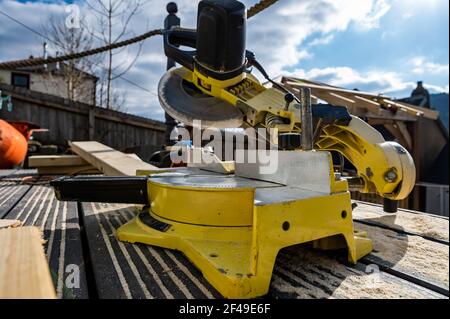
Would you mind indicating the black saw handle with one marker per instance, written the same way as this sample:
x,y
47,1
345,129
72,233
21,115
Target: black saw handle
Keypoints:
x,y
176,37
102,189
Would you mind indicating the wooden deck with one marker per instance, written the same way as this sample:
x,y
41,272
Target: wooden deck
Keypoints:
x,y
411,253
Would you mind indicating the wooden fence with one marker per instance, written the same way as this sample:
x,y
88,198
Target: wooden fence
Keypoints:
x,y
72,121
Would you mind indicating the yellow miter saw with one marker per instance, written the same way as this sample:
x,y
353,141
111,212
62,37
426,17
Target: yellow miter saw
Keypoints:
x,y
232,225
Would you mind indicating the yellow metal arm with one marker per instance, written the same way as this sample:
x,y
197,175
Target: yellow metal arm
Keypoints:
x,y
386,168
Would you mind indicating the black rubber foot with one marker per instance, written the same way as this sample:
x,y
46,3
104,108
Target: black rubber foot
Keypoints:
x,y
390,206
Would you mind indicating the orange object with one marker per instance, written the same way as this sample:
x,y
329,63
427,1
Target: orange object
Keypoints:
x,y
13,146
26,128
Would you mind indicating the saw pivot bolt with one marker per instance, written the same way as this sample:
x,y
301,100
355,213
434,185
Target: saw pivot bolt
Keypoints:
x,y
390,176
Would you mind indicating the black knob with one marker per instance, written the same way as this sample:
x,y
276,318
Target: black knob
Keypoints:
x,y
172,8
289,98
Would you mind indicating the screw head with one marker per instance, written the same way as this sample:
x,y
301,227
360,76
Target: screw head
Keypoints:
x,y
390,176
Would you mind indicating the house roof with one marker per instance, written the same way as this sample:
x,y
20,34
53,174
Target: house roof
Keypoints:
x,y
51,67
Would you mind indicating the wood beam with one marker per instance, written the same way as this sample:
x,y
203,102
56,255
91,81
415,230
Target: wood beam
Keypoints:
x,y
401,126
370,105
56,160
342,97
108,160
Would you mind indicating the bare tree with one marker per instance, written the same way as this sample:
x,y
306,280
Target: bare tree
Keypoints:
x,y
66,41
112,24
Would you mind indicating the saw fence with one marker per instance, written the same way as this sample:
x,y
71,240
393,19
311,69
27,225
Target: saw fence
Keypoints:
x,y
410,257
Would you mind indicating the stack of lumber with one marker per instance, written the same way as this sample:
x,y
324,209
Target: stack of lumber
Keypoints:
x,y
24,271
90,158
61,164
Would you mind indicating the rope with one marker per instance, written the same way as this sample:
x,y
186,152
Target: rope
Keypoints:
x,y
78,55
257,8
260,6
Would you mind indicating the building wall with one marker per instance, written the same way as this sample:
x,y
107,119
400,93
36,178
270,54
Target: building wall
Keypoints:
x,y
5,77
56,85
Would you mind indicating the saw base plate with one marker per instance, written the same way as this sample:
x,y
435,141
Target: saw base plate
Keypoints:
x,y
233,237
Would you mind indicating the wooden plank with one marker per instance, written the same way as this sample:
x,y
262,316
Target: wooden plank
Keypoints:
x,y
400,115
108,160
369,104
411,222
134,156
68,170
60,225
412,255
7,223
420,111
300,272
24,271
342,97
411,243
56,160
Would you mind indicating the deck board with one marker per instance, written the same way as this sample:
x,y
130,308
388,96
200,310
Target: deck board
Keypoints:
x,y
302,273
414,255
422,224
11,192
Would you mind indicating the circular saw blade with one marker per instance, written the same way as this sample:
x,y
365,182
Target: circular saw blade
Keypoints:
x,y
185,103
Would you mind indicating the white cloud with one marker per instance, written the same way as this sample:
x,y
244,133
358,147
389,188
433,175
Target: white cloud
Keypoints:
x,y
372,20
376,81
421,65
407,15
321,41
277,34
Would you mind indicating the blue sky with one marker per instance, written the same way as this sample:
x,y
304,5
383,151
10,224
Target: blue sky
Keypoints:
x,y
383,46
412,39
